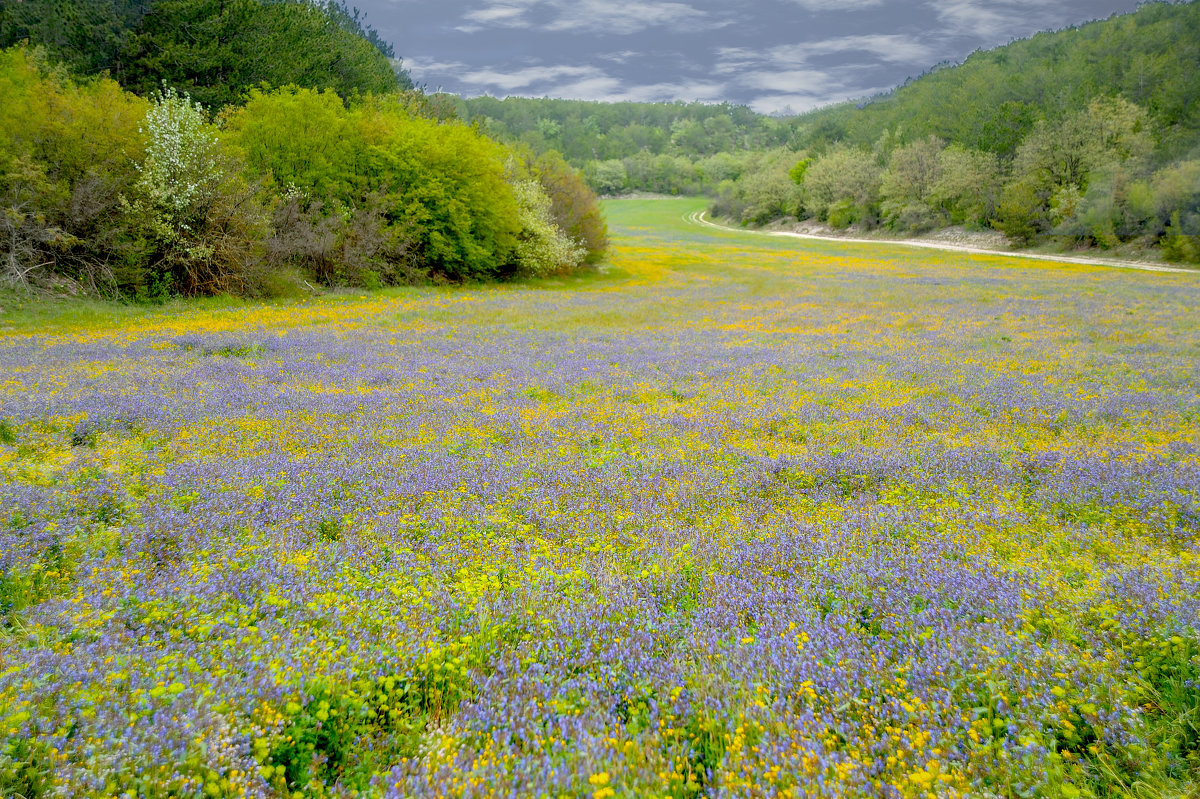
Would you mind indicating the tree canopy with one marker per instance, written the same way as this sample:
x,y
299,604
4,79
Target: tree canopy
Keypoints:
x,y
215,50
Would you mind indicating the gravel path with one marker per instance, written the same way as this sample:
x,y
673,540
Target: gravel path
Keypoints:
x,y
698,218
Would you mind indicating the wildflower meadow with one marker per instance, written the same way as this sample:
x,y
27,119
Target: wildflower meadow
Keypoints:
x,y
737,517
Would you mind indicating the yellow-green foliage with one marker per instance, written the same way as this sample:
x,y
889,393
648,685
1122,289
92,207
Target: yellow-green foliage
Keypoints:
x,y
442,184
363,194
73,128
67,150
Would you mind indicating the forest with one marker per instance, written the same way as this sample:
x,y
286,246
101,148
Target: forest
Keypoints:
x,y
1088,136
182,147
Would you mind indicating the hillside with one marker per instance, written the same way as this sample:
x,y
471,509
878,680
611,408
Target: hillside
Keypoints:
x,y
586,131
993,99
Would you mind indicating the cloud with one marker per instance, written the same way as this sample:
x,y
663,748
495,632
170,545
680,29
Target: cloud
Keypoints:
x,y
512,16
836,5
893,48
790,81
583,83
424,70
991,20
886,48
509,80
589,16
618,58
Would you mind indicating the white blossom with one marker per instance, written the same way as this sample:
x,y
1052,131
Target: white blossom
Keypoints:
x,y
180,170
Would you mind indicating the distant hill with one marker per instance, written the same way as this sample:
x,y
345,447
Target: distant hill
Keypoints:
x,y
586,131
993,99
1089,135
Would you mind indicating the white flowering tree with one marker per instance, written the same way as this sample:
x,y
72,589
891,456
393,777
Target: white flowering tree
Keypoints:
x,y
192,201
542,249
180,173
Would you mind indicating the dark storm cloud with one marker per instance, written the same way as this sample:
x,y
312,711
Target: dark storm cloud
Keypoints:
x,y
770,54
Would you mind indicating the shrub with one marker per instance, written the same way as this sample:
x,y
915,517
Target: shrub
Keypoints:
x,y
199,220
1181,242
67,153
608,177
573,205
440,187
349,248
847,176
907,186
542,248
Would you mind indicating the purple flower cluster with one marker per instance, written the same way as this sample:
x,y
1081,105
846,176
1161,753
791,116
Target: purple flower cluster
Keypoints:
x,y
773,532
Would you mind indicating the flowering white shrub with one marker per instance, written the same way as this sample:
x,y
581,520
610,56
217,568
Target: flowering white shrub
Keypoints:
x,y
180,172
199,216
542,249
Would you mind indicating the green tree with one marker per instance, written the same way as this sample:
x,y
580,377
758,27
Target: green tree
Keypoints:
x,y
842,186
573,205
67,153
608,177
441,186
968,186
198,219
216,50
1053,165
908,185
87,35
542,248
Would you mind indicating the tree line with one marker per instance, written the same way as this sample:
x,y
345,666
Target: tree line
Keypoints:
x,y
1089,136
154,148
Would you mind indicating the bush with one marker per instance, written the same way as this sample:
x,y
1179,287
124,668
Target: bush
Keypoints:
x,y
968,187
908,184
349,248
608,177
1181,242
573,205
67,154
765,190
542,248
845,177
200,222
440,188
1020,215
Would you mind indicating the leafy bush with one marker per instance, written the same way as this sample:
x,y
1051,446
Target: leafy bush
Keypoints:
x,y
440,186
67,154
1181,242
968,186
608,177
843,176
908,182
352,248
199,221
765,189
573,205
542,248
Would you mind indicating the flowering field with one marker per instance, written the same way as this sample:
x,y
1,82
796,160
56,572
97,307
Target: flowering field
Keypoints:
x,y
738,518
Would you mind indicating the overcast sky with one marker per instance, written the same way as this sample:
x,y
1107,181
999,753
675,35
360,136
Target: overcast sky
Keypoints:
x,y
772,55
